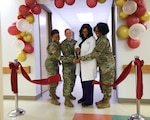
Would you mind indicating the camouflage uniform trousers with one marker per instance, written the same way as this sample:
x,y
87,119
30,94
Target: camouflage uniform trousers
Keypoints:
x,y
107,76
52,70
69,78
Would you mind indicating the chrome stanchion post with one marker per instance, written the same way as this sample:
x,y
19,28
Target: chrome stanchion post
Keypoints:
x,y
136,116
17,111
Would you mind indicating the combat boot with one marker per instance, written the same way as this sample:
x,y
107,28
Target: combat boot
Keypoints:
x,y
55,96
105,103
72,97
99,102
54,100
68,102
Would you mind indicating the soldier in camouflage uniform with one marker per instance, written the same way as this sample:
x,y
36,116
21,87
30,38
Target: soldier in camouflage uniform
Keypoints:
x,y
52,63
67,47
105,61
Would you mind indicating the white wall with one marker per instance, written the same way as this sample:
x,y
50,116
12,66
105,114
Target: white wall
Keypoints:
x,y
1,82
125,54
9,16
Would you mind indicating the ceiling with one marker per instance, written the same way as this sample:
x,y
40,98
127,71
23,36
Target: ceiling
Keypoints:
x,y
68,12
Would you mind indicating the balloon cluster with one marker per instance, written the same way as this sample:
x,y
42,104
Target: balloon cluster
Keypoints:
x,y
90,3
135,14
22,27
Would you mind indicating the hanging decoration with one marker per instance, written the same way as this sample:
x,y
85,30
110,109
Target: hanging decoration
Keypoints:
x,y
59,3
70,2
90,3
22,27
135,14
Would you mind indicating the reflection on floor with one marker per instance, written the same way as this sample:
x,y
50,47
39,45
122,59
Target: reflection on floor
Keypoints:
x,y
42,109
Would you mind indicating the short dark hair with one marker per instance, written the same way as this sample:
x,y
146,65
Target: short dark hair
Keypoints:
x,y
55,31
103,28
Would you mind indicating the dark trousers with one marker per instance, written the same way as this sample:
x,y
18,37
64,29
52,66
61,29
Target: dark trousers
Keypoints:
x,y
88,92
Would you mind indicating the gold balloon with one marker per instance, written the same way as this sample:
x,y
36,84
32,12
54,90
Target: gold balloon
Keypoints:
x,y
23,34
122,15
123,32
145,17
30,18
21,56
18,36
28,37
101,1
120,3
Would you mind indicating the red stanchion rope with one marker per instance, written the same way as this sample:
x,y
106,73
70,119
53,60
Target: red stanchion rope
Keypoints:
x,y
124,74
45,81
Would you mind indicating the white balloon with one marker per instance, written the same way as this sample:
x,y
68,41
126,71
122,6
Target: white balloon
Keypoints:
x,y
23,25
129,7
18,44
136,30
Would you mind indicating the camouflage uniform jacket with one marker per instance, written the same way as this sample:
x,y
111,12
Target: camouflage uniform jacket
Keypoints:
x,y
51,63
103,54
67,48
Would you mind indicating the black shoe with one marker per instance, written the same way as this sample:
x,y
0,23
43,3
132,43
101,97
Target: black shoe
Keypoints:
x,y
86,104
81,100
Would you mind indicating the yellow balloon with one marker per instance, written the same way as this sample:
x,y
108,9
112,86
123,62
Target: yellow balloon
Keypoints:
x,y
120,3
18,36
145,17
101,1
122,15
123,32
21,56
28,37
30,18
23,34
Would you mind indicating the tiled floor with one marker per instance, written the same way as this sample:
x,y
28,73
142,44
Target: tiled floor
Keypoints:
x,y
42,109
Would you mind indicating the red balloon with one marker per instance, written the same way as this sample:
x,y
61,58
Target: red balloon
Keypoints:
x,y
36,9
70,2
30,3
91,3
21,17
12,30
59,3
141,10
140,2
24,10
132,43
28,48
132,20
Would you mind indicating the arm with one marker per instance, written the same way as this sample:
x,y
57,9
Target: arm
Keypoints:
x,y
98,50
53,52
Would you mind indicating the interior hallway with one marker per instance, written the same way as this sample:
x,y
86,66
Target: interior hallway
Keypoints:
x,y
42,109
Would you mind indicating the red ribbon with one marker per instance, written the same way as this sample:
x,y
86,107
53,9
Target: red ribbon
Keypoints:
x,y
14,83
139,87
45,81
123,75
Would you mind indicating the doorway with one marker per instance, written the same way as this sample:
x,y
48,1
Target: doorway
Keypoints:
x,y
45,27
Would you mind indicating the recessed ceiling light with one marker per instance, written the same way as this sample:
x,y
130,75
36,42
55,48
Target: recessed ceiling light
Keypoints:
x,y
85,17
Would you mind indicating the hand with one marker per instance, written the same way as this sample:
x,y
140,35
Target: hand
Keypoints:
x,y
53,51
75,60
77,50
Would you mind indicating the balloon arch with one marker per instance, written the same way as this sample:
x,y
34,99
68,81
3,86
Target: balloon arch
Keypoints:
x,y
133,12
135,16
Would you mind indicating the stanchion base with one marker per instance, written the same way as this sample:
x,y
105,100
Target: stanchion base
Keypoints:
x,y
16,112
136,117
